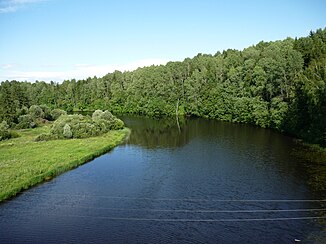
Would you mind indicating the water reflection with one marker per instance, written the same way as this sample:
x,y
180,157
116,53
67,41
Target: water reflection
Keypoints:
x,y
260,146
164,133
157,133
163,171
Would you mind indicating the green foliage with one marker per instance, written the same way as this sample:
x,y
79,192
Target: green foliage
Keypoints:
x,y
279,84
4,131
36,112
107,121
22,111
25,122
117,124
45,137
79,126
36,115
56,113
278,112
4,125
99,114
67,131
13,96
25,163
46,111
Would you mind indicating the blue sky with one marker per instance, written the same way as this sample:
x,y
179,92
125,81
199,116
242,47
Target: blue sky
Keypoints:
x,y
64,39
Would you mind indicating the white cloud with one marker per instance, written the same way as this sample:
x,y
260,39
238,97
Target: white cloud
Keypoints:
x,y
82,65
7,66
50,65
7,9
78,71
7,6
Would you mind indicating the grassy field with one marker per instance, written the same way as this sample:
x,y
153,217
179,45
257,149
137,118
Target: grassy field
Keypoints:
x,y
24,162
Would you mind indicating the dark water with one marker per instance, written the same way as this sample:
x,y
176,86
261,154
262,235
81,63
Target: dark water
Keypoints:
x,y
207,182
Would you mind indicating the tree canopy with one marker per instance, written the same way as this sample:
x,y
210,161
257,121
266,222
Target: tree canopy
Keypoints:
x,y
278,85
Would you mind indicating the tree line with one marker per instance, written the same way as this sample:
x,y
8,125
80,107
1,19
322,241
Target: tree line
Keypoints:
x,y
279,84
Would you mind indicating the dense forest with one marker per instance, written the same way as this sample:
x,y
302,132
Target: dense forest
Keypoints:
x,y
279,84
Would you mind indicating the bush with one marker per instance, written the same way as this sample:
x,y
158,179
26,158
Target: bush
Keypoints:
x,y
25,122
45,137
13,134
22,111
79,126
29,118
4,131
106,115
67,131
46,111
88,129
97,115
56,113
117,124
36,112
106,121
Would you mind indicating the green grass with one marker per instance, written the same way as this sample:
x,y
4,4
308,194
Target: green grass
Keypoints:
x,y
25,163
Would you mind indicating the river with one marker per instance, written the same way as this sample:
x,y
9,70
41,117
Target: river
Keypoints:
x,y
203,181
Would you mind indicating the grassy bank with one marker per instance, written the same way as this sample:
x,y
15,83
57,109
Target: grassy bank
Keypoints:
x,y
24,162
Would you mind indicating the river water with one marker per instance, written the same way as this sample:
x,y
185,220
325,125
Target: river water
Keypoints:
x,y
203,181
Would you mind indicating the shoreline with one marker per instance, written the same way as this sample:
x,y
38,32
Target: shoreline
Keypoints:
x,y
25,163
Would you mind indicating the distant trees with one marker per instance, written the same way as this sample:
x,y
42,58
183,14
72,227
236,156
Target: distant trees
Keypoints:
x,y
30,118
277,84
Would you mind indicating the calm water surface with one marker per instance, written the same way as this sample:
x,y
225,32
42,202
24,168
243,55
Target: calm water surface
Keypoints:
x,y
205,182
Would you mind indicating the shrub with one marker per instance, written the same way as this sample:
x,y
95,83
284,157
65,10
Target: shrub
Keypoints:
x,y
97,115
67,131
106,115
87,129
106,121
80,126
47,112
117,124
56,113
36,112
57,127
102,125
4,131
13,134
22,111
25,122
45,137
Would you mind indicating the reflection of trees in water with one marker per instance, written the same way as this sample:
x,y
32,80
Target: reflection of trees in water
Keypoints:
x,y
263,145
164,132
153,133
313,161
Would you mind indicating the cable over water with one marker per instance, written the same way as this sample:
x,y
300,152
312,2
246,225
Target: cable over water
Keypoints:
x,y
44,206
180,220
177,199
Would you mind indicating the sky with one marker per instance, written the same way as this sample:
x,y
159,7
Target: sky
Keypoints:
x,y
63,39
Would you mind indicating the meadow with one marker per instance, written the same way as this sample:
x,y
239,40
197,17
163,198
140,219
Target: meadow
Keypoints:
x,y
25,162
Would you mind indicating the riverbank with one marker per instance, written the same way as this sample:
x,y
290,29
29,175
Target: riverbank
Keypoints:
x,y
25,163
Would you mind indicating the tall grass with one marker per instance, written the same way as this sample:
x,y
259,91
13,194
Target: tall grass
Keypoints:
x,y
25,163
